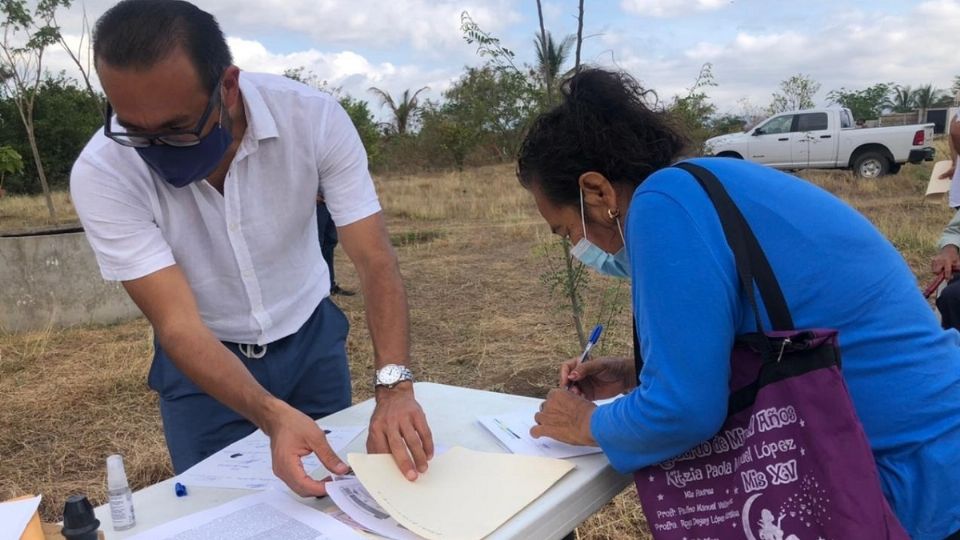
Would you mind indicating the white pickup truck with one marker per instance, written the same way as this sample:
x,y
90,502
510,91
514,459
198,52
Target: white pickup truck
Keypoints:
x,y
827,139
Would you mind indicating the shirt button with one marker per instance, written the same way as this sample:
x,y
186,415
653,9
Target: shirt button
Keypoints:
x,y
233,227
247,274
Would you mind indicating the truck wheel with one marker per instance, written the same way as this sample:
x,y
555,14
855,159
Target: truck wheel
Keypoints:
x,y
894,168
871,165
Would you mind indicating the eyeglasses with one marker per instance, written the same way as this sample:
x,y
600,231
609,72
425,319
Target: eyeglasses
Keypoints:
x,y
176,137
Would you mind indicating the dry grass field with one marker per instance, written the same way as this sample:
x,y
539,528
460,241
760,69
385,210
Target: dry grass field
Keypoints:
x,y
472,251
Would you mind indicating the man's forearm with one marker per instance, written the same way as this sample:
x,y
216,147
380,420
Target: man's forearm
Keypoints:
x,y
951,233
367,243
167,301
219,373
387,312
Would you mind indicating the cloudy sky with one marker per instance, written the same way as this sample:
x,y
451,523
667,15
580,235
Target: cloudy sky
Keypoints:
x,y
752,44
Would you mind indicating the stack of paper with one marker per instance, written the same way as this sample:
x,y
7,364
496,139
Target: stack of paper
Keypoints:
x,y
465,494
267,515
362,509
247,463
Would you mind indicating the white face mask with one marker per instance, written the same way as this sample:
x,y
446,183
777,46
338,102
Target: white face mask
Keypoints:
x,y
615,265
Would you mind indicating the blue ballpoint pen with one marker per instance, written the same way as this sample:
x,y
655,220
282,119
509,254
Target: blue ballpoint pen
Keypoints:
x,y
594,338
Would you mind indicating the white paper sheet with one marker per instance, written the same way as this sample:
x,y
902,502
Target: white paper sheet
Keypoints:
x,y
15,515
247,463
512,430
351,497
268,515
936,185
465,495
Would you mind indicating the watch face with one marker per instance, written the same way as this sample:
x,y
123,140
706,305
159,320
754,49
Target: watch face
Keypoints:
x,y
390,374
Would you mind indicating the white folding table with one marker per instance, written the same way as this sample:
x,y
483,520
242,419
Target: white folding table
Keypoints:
x,y
452,413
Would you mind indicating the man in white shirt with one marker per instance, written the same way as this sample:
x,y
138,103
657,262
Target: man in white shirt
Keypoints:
x,y
199,196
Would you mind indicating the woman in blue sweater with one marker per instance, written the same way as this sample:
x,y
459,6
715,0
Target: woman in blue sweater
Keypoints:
x,y
598,167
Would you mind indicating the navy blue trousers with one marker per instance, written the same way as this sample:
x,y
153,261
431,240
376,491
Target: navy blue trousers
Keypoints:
x,y
949,304
307,369
327,232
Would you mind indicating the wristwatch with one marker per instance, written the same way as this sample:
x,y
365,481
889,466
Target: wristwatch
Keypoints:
x,y
391,375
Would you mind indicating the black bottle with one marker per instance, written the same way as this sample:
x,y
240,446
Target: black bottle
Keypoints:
x,y
79,522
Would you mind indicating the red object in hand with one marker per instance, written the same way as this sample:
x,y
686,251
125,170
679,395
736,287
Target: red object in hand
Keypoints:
x,y
932,287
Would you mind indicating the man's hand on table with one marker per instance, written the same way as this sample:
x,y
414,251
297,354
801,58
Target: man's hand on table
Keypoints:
x,y
399,427
294,435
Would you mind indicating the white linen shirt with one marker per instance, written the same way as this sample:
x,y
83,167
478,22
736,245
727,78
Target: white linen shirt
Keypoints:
x,y
251,255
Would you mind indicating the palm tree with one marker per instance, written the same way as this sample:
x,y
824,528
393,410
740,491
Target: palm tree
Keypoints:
x,y
405,111
903,99
927,96
550,59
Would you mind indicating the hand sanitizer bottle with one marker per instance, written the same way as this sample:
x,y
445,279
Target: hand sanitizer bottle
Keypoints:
x,y
121,498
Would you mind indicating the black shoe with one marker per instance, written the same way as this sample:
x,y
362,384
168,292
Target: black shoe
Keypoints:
x,y
337,290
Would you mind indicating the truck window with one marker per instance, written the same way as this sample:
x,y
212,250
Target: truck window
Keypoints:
x,y
780,124
845,120
812,122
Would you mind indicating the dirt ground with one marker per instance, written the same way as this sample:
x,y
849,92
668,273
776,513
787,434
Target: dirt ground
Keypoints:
x,y
477,261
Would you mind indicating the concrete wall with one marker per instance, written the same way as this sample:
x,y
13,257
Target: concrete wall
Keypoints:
x,y
52,278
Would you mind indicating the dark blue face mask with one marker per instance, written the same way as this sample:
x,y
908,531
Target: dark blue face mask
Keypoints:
x,y
181,166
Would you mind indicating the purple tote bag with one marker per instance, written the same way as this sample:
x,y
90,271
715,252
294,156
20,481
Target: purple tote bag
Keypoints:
x,y
791,461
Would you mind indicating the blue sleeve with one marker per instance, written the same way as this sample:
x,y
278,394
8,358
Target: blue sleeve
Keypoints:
x,y
686,302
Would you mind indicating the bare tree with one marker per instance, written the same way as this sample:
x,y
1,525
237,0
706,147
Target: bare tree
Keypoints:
x,y
576,62
26,36
543,39
82,57
572,272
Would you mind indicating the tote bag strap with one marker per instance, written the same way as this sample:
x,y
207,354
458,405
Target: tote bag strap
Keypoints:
x,y
752,264
637,358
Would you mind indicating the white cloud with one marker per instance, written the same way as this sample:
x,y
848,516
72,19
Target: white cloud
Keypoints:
x,y
426,25
430,26
403,44
353,73
347,70
670,8
853,49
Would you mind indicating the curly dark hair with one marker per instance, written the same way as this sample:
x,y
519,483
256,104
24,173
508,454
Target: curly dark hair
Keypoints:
x,y
603,124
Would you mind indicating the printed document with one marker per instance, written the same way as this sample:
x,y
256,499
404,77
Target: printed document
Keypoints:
x,y
267,515
512,430
465,494
353,499
247,463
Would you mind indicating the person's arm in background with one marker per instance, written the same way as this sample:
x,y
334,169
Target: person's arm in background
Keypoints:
x,y
947,260
953,139
168,303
